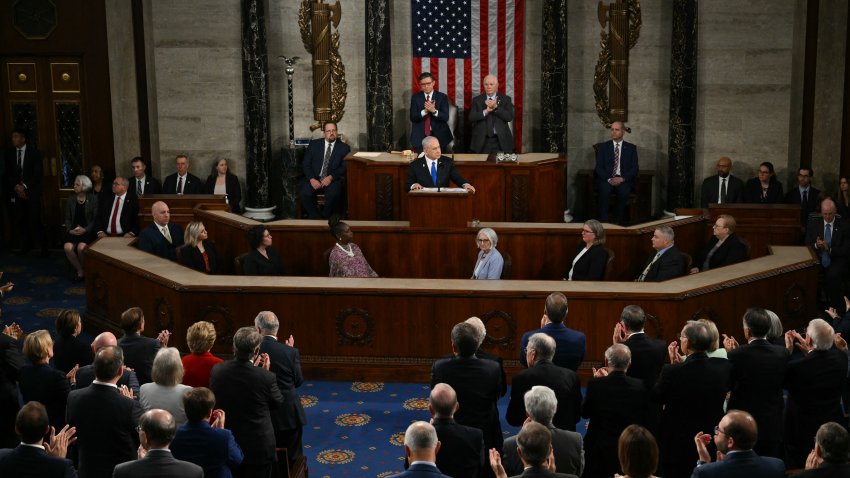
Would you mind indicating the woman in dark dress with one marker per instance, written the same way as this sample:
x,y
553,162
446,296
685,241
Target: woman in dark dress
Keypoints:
x,y
263,260
842,198
222,181
80,213
764,188
98,182
40,381
69,351
591,256
199,253
723,249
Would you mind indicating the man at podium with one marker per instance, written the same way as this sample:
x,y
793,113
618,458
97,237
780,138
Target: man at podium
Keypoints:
x,y
433,170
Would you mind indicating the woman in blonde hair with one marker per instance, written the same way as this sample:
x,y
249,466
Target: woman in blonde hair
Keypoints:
x,y
199,253
40,381
198,365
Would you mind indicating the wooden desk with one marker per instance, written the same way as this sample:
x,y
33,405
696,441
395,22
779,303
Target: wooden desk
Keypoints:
x,y
181,206
530,190
440,209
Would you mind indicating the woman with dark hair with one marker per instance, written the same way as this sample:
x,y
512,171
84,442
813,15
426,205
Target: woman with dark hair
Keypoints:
x,y
638,453
346,259
199,253
591,257
80,213
842,198
222,181
764,188
98,181
262,260
69,351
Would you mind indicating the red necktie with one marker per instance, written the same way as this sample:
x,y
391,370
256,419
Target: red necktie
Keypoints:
x,y
427,119
112,223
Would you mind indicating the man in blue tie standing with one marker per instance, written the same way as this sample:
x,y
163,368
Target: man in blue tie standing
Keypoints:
x,y
433,170
826,235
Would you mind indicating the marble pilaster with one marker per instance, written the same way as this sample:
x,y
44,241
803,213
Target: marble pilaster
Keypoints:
x,y
554,85
379,91
255,89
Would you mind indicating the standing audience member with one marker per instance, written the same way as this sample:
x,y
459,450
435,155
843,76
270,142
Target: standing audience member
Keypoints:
x,y
85,375
203,440
480,335
117,214
429,113
68,350
535,450
723,187
433,170
161,237
139,351
262,259
827,236
490,114
166,391
637,452
570,344
11,361
35,458
40,381
199,253
842,197
80,215
421,448
222,182
648,353
156,430
829,457
140,182
806,195
764,188
182,181
198,364
461,453
667,262
24,172
735,437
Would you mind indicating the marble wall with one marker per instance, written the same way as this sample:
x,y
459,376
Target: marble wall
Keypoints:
x,y
122,85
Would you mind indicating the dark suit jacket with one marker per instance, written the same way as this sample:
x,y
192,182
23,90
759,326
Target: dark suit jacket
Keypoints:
x,y
477,383
191,257
758,376
30,462
439,122
286,366
670,265
605,161
248,394
257,265
566,445
152,241
213,449
462,453
315,156
193,185
11,362
840,243
129,218
570,345
540,472
32,174
482,354
826,470
591,266
498,119
419,173
85,377
46,384
232,188
71,351
90,213
611,404
421,471
648,356
159,463
710,192
752,192
730,252
106,428
742,464
152,186
814,197
139,352
563,381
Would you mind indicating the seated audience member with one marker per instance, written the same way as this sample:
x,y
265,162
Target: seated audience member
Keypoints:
x,y
480,335
68,350
461,453
815,385
224,183
616,171
723,187
637,453
139,351
324,173
476,381
85,375
570,344
198,364
105,420
140,182
829,457
667,262
203,439
156,430
535,450
262,259
764,188
541,371
182,181
35,458
540,406
613,402
723,249
421,448
591,258
161,237
80,214
199,253
166,391
41,382
735,437
433,170
826,235
489,263
117,213
842,197
96,176
647,354
346,259
806,195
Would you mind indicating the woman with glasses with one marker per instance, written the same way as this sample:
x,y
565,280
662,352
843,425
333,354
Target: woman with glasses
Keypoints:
x,y
263,260
723,249
764,188
591,257
490,262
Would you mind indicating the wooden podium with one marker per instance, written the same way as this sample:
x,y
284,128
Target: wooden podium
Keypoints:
x,y
439,209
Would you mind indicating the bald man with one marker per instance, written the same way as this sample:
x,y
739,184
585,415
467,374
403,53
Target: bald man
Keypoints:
x,y
722,187
462,452
490,114
161,238
85,375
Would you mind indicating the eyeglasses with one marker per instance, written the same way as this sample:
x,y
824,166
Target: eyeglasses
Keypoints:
x,y
717,226
585,231
483,240
718,431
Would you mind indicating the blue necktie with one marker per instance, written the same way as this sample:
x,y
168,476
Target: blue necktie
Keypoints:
x,y
434,173
825,260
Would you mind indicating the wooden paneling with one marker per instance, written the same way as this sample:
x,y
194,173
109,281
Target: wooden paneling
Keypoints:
x,y
180,206
762,224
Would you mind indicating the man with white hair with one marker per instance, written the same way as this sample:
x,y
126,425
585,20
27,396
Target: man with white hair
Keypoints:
x,y
480,335
829,457
826,235
421,447
490,114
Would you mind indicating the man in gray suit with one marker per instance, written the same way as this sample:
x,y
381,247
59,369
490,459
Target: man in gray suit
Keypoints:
x,y
156,430
490,114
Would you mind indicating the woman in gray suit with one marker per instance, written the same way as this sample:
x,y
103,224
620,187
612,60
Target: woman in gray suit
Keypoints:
x,y
80,214
489,263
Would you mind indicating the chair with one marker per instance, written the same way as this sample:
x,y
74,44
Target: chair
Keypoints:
x,y
506,268
746,244
239,264
689,262
609,265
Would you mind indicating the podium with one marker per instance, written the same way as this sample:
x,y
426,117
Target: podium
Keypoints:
x,y
434,208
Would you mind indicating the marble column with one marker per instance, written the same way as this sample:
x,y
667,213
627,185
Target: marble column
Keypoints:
x,y
255,88
379,75
683,106
553,88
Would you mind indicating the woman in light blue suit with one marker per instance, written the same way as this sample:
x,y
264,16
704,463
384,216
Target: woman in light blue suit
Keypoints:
x,y
489,263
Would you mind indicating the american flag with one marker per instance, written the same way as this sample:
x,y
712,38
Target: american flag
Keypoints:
x,y
462,41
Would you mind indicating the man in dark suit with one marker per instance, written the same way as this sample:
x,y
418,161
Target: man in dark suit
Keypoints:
x,y
480,335
647,353
429,113
541,371
829,457
806,195
162,238
156,430
477,383
735,436
826,234
247,392
534,448
289,419
433,170
11,361
105,417
182,182
139,350
34,458
758,376
85,374
667,263
24,171
613,402
723,187
421,448
203,440
461,453
490,115
324,173
815,385
616,170
140,182
570,345
117,214
692,393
